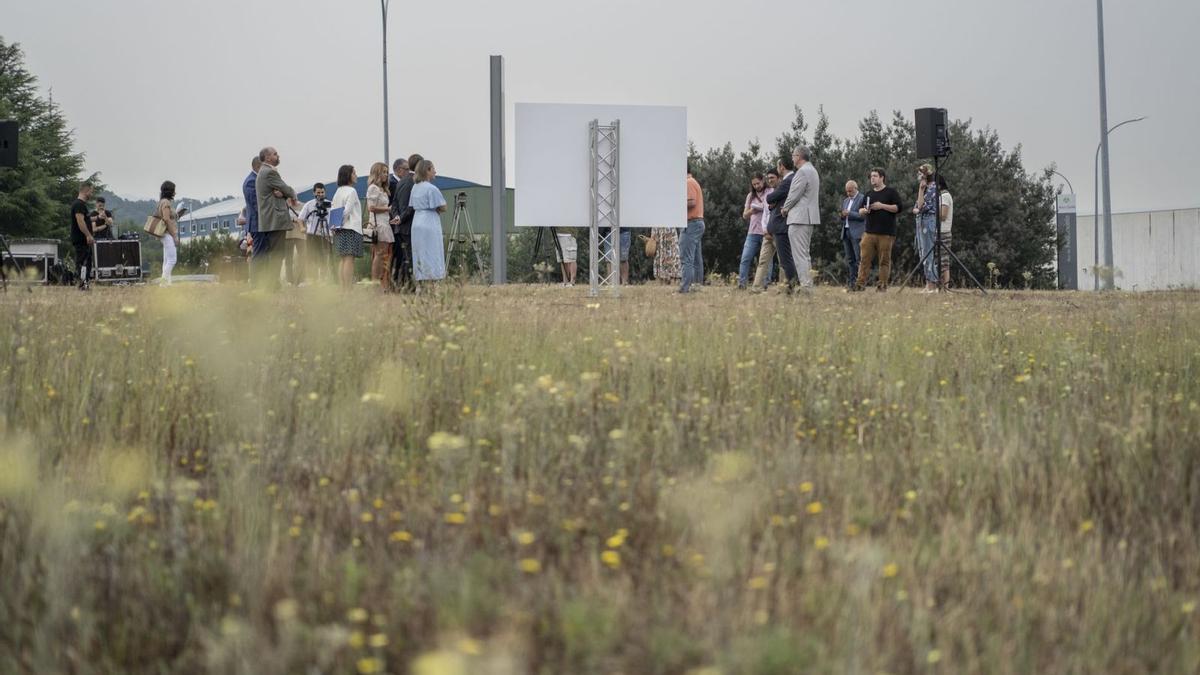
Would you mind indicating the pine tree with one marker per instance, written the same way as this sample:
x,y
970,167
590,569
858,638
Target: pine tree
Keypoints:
x,y
35,197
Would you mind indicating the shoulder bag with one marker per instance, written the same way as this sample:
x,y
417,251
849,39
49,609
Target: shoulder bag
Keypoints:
x,y
155,225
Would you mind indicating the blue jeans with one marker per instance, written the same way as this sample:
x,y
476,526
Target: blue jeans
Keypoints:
x,y
750,251
626,245
690,257
851,246
925,243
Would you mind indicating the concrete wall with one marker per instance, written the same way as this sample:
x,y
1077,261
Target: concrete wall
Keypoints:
x,y
1152,250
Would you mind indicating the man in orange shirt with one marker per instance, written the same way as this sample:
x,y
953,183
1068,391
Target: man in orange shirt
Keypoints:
x,y
690,257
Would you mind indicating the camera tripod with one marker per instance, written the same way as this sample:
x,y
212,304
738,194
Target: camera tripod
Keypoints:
x,y
939,247
461,232
537,248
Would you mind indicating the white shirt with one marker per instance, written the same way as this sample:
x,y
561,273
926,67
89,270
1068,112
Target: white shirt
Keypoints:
x,y
846,207
948,201
346,198
308,214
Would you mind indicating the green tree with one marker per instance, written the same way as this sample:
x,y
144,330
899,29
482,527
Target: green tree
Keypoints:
x,y
35,197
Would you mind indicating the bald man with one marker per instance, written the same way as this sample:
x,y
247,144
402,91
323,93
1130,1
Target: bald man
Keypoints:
x,y
276,200
853,226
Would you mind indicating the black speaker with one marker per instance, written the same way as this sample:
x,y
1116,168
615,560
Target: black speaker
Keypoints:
x,y
8,143
117,259
933,133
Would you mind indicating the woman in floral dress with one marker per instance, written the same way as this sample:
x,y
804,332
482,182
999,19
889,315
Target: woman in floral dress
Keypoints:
x,y
667,266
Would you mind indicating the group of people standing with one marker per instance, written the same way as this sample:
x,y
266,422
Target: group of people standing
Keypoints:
x,y
87,225
782,210
402,225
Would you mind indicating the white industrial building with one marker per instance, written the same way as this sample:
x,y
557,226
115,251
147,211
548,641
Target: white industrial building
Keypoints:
x,y
1152,250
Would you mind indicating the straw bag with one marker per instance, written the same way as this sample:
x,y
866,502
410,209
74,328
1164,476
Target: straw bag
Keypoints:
x,y
155,226
651,245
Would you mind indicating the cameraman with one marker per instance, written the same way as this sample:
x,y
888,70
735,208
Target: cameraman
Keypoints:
x,y
315,215
102,221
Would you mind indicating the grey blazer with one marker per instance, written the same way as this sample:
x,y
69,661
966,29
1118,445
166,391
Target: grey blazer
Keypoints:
x,y
802,200
273,212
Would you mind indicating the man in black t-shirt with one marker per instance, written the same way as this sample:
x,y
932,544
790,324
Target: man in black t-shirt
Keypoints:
x,y
81,235
880,207
102,221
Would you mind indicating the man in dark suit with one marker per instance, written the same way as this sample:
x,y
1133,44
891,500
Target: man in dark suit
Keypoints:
x,y
250,194
853,226
777,226
401,220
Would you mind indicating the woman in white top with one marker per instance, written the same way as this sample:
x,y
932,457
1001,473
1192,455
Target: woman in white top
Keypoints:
x,y
377,210
347,237
170,240
946,218
427,202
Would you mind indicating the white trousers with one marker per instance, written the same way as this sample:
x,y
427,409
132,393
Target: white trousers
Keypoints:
x,y
168,257
800,237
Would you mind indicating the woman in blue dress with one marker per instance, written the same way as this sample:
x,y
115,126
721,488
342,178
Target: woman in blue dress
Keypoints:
x,y
429,256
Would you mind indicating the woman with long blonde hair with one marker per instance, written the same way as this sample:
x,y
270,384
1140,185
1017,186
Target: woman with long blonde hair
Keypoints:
x,y
377,210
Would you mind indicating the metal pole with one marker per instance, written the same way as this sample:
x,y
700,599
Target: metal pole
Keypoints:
x,y
387,156
499,201
1108,244
1096,221
1069,186
1096,207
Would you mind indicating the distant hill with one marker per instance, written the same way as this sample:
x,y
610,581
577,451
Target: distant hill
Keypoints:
x,y
137,210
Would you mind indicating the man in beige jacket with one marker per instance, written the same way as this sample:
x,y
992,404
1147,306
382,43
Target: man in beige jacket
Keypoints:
x,y
275,199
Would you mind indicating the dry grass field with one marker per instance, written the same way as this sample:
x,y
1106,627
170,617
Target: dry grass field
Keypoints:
x,y
525,480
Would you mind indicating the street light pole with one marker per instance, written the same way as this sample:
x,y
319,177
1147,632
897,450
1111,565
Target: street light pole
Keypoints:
x,y
1108,249
1096,211
1069,186
387,156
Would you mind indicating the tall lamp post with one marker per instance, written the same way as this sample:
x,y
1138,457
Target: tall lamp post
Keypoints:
x,y
1069,186
1104,141
387,156
1108,259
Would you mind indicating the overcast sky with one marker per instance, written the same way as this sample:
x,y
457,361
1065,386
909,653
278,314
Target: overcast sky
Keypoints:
x,y
204,83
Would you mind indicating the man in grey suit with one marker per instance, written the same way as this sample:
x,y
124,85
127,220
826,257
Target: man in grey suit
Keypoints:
x,y
274,217
803,212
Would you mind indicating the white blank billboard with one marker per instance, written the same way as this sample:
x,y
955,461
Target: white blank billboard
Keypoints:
x,y
553,164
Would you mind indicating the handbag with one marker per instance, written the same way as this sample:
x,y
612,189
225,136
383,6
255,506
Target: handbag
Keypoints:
x,y
155,226
651,245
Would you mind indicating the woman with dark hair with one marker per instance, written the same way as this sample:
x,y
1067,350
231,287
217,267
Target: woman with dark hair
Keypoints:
x,y
754,211
170,239
345,219
925,211
427,202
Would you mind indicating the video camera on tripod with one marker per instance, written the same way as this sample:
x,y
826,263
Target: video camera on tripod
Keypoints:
x,y
321,209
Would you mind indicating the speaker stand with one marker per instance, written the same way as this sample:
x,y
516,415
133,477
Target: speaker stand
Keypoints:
x,y
939,247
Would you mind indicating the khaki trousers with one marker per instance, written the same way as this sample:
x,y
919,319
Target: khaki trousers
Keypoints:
x,y
873,245
766,256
